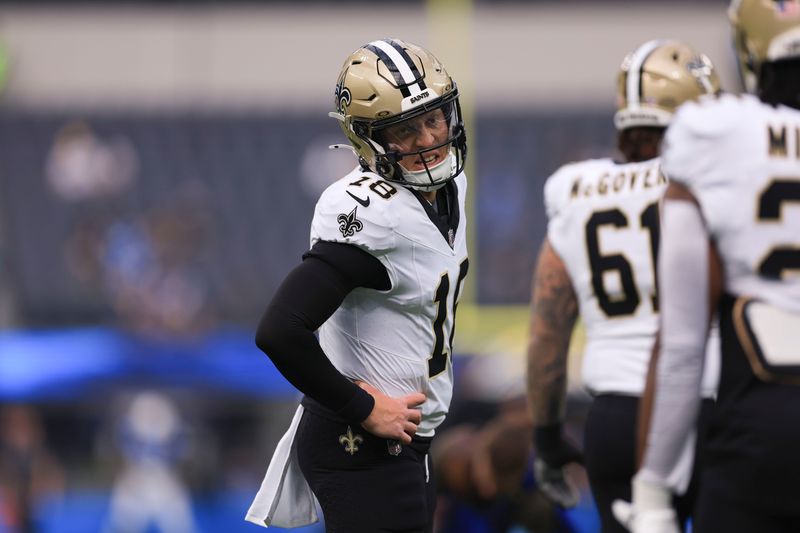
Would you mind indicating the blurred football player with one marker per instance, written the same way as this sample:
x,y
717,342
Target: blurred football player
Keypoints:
x,y
148,492
731,243
381,282
598,260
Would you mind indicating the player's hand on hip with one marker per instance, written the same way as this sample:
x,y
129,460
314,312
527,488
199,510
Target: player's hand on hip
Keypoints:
x,y
650,511
393,418
553,454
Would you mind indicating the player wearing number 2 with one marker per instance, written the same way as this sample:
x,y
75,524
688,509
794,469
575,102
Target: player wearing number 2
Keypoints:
x,y
731,243
598,260
381,282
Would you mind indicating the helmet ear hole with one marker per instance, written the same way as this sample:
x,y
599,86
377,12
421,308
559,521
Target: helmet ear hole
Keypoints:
x,y
384,169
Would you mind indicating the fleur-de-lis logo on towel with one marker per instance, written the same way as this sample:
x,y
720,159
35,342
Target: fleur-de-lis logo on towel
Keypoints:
x,y
350,441
349,224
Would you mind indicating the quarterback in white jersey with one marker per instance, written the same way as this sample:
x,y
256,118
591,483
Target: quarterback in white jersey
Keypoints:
x,y
380,284
731,243
397,340
598,260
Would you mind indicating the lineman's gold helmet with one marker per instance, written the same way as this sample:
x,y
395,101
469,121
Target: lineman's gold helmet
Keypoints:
x,y
656,78
763,31
390,89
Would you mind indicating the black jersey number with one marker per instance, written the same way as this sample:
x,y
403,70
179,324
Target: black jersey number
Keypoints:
x,y
442,350
600,264
786,257
379,187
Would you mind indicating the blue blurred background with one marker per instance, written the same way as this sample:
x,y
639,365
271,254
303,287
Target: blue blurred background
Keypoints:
x,y
159,164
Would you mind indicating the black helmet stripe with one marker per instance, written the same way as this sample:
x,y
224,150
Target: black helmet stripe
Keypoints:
x,y
633,91
398,78
404,71
413,66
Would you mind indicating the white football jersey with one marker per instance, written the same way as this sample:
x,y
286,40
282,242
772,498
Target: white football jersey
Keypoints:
x,y
740,159
398,340
603,221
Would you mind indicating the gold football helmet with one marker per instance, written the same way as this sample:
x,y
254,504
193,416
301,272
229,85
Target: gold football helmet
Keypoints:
x,y
656,78
763,31
399,109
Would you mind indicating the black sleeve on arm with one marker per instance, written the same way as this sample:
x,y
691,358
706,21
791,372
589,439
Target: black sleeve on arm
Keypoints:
x,y
357,267
305,300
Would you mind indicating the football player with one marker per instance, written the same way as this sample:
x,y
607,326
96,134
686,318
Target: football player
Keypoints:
x,y
731,242
381,282
598,260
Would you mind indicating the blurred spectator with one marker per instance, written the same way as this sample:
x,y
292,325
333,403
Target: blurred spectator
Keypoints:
x,y
81,166
485,477
150,268
147,266
29,473
142,261
483,457
148,491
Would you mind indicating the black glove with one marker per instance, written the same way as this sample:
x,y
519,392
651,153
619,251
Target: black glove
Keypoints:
x,y
553,453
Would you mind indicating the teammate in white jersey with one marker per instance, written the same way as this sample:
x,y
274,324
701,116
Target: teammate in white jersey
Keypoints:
x,y
381,282
731,242
598,260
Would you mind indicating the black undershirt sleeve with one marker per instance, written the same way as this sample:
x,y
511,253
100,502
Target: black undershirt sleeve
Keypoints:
x,y
304,301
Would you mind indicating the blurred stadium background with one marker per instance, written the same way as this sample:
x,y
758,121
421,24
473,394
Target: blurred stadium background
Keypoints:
x,y
159,164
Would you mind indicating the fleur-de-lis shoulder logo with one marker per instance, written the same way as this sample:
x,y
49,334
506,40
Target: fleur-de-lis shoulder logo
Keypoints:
x,y
350,441
349,224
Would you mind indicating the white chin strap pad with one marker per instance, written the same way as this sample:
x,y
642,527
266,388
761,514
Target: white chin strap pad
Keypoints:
x,y
421,179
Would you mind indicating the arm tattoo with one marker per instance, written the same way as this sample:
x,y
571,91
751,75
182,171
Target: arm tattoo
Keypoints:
x,y
553,314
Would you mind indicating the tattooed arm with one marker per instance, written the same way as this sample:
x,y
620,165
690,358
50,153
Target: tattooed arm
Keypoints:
x,y
553,313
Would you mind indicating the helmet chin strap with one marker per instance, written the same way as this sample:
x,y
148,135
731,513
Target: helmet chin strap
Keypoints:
x,y
421,179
